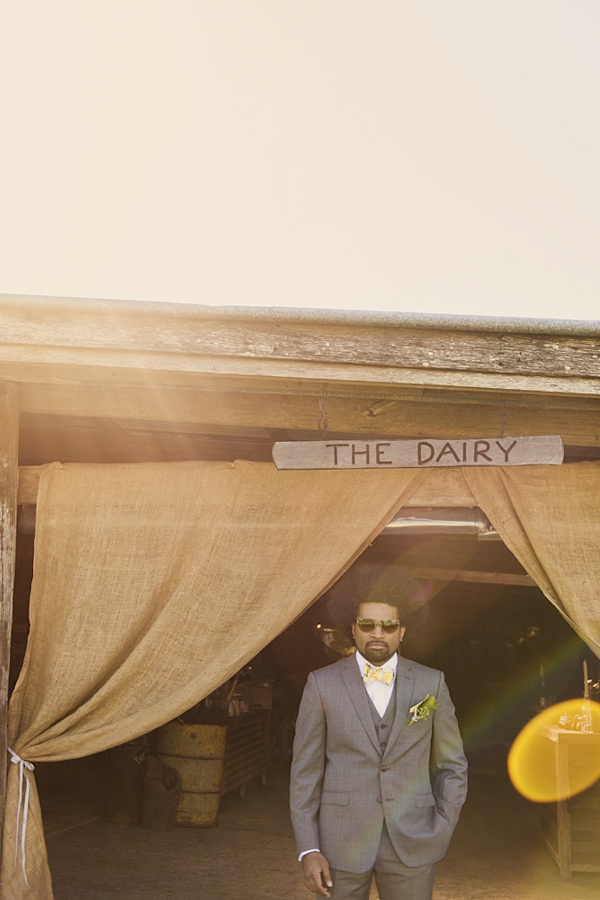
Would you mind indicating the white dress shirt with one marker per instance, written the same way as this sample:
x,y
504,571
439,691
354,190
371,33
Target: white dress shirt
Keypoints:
x,y
379,692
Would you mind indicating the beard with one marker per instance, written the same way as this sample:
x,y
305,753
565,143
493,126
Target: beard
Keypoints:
x,y
377,655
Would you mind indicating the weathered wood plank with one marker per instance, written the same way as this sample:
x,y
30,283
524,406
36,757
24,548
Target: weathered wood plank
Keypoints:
x,y
362,414
83,376
473,577
484,351
381,454
9,444
15,363
70,444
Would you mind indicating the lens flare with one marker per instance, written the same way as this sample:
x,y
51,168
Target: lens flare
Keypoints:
x,y
556,734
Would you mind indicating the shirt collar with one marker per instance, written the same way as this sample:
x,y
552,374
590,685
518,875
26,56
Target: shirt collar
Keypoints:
x,y
391,663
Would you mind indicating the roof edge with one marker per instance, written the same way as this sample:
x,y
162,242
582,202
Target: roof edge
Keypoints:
x,y
284,315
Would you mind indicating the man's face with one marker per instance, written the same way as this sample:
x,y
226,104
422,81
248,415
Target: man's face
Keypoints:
x,y
376,646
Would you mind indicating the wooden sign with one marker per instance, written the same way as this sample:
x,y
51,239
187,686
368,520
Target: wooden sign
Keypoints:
x,y
356,454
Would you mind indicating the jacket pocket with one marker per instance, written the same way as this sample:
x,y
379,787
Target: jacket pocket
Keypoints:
x,y
338,798
425,800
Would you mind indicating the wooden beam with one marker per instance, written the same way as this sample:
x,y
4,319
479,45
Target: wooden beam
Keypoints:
x,y
70,445
366,413
199,333
9,446
82,374
45,333
434,574
56,364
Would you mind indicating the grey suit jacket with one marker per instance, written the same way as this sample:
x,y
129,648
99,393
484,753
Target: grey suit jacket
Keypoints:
x,y
343,786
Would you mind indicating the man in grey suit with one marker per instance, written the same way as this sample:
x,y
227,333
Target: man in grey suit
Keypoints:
x,y
378,773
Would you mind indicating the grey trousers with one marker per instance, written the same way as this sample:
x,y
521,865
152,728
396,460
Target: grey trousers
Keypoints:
x,y
394,880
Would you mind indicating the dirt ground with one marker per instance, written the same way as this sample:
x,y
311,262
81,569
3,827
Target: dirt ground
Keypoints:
x,y
497,852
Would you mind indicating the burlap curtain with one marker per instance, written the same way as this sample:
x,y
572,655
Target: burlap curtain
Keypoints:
x,y
549,516
155,583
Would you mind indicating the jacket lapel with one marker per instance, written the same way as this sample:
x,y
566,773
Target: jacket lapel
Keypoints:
x,y
359,698
404,700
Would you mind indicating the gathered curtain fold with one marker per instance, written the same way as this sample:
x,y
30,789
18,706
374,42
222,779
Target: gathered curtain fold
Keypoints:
x,y
549,517
153,584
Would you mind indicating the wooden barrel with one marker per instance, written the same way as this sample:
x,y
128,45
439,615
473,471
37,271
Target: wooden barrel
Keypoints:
x,y
197,752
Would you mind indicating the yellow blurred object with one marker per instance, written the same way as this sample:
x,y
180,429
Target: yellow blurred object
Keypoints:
x,y
557,754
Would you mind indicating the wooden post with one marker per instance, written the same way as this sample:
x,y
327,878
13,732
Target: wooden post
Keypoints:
x,y
563,818
9,476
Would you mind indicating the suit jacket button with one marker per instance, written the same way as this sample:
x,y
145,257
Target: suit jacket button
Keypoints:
x,y
384,768
379,799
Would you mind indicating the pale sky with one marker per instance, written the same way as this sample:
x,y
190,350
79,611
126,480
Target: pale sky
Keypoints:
x,y
436,156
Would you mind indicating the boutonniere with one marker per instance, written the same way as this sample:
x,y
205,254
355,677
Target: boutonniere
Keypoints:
x,y
423,709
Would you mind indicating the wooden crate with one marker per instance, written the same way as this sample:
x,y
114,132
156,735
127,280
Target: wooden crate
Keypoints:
x,y
248,749
215,759
256,696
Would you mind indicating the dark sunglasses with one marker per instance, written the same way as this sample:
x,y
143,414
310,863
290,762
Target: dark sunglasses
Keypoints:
x,y
388,626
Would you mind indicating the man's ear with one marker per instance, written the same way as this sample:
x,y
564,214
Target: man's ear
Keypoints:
x,y
353,628
402,632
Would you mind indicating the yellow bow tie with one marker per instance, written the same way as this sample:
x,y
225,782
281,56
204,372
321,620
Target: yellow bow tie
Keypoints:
x,y
373,674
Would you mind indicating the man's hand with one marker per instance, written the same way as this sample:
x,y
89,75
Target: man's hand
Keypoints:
x,y
317,876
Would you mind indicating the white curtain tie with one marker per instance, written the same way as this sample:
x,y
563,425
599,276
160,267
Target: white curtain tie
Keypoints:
x,y
22,813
